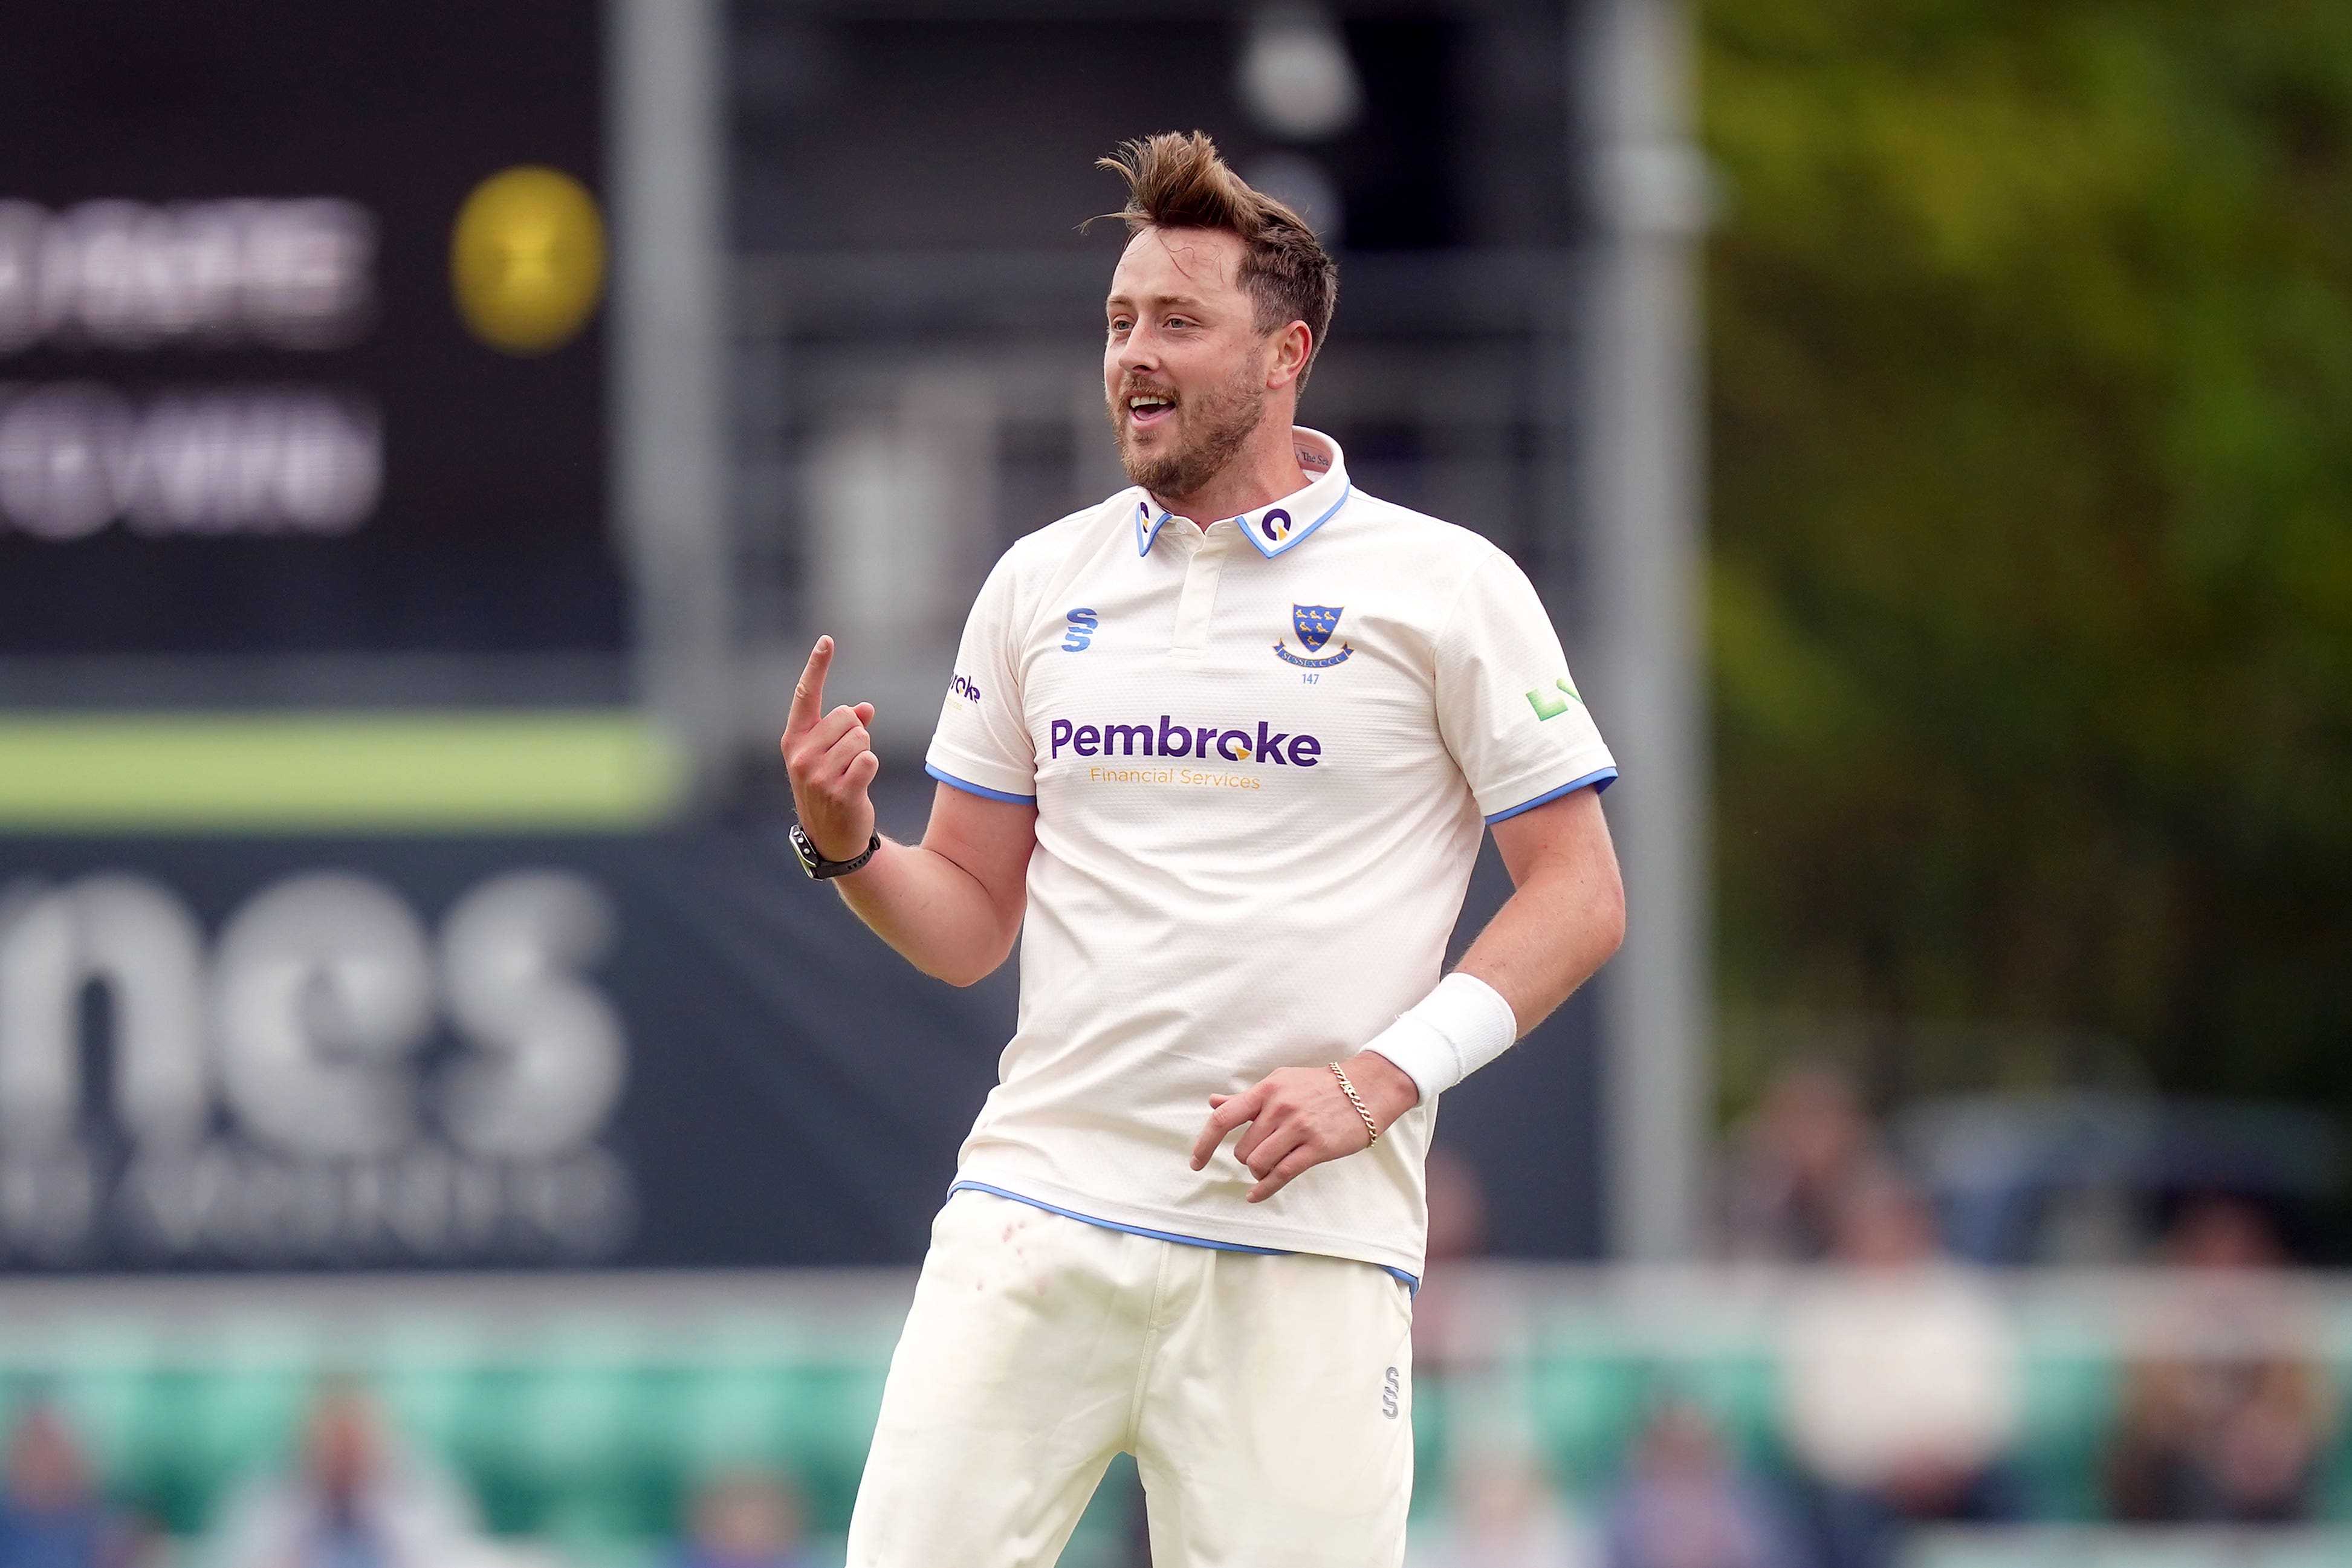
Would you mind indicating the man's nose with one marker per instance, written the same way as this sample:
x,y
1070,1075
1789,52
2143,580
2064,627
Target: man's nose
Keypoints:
x,y
1139,351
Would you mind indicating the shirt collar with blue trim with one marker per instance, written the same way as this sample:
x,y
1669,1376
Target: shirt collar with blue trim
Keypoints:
x,y
1278,525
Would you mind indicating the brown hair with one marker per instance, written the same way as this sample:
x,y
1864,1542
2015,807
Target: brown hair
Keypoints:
x,y
1176,181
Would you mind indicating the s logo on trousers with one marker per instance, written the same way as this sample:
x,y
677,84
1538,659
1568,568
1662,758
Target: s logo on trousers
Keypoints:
x,y
1388,1392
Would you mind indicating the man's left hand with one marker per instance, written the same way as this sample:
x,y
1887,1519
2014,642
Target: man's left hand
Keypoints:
x,y
1301,1117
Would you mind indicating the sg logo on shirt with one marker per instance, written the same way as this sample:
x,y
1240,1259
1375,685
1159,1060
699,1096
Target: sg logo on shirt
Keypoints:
x,y
1081,631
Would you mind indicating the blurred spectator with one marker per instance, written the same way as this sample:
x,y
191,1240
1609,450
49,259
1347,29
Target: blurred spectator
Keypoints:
x,y
51,1516
1791,1163
358,1500
1457,1231
1505,1513
1457,1206
1683,1506
744,1520
2227,1413
1901,1382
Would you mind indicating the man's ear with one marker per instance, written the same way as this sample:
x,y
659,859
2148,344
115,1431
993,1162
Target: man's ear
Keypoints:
x,y
1292,346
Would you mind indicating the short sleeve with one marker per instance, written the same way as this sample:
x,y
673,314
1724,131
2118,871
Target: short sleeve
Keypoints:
x,y
982,743
1506,705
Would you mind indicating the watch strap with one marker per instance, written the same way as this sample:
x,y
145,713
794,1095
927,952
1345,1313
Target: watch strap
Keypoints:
x,y
814,862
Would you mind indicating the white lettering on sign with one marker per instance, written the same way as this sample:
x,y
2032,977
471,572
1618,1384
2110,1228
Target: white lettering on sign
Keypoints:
x,y
76,456
280,1099
138,941
324,986
551,1058
132,275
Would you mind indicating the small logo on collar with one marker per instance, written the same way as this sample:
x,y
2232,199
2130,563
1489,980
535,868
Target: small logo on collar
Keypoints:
x,y
1286,526
1147,525
1314,624
1273,531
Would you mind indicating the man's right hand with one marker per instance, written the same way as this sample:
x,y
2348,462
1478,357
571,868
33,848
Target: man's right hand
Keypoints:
x,y
830,758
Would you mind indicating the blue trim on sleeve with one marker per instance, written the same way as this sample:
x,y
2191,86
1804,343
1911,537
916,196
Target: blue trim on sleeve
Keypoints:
x,y
971,788
1407,1280
1599,780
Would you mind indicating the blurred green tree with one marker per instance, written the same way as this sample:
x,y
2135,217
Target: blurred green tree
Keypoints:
x,y
2031,391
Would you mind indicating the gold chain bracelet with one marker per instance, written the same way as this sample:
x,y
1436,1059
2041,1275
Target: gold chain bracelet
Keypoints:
x,y
1357,1100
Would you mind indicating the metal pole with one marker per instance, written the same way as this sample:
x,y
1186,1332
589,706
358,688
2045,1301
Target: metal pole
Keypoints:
x,y
1642,456
669,340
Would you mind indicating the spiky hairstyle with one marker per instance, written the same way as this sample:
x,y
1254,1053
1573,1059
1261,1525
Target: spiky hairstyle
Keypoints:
x,y
1178,181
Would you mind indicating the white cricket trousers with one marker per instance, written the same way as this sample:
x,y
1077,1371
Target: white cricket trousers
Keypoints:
x,y
1267,1400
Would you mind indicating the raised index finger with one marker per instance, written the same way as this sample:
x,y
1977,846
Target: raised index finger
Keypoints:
x,y
808,695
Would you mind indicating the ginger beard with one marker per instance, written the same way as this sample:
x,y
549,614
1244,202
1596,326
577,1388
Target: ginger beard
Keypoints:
x,y
1206,432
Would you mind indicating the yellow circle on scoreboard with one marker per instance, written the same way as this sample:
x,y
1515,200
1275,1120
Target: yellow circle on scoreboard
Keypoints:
x,y
526,259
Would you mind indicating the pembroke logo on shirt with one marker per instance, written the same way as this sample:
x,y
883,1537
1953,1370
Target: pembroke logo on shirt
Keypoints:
x,y
1314,624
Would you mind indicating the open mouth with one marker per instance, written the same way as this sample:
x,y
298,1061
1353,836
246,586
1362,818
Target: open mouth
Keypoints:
x,y
1146,410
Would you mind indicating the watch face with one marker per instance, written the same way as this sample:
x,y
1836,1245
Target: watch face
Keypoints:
x,y
804,847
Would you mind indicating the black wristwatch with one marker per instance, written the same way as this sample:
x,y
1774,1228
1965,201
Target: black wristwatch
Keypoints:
x,y
817,866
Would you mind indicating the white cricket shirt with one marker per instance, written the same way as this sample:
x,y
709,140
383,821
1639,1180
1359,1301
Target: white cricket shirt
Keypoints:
x,y
1262,754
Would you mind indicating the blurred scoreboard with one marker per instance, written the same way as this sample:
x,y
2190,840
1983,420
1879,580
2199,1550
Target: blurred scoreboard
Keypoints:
x,y
301,339
303,405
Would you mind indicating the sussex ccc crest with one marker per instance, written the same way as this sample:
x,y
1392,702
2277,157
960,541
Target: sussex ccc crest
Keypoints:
x,y
1314,624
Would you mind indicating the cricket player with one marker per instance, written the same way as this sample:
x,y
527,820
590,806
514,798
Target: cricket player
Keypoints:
x,y
1219,751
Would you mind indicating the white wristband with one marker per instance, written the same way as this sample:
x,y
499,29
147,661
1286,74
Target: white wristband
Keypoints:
x,y
1449,1033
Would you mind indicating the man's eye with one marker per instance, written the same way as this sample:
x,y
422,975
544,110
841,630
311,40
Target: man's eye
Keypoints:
x,y
1120,323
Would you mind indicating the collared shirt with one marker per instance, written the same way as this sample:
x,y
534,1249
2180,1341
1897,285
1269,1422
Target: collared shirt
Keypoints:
x,y
1263,754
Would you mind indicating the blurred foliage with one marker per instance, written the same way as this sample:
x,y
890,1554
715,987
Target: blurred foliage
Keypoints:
x,y
2031,327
